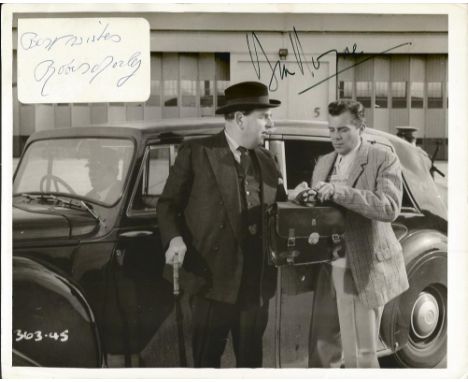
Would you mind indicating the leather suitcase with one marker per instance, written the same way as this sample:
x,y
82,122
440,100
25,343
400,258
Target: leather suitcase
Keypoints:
x,y
300,234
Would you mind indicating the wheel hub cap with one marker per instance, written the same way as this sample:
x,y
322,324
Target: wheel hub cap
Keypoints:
x,y
425,315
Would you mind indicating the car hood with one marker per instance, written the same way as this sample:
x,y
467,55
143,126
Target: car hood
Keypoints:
x,y
49,222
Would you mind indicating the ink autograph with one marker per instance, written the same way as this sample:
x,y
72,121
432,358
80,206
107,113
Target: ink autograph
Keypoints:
x,y
281,70
48,69
31,40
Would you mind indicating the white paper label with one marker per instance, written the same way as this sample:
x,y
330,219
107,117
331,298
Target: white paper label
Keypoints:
x,y
76,60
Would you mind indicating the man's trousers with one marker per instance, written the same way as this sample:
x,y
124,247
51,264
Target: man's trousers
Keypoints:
x,y
342,328
212,323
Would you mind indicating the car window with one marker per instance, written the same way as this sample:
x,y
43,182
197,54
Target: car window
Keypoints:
x,y
407,203
301,157
152,177
92,168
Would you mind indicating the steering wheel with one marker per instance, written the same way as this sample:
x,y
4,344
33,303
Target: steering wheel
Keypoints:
x,y
56,182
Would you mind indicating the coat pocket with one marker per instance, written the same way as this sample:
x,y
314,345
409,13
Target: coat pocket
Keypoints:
x,y
385,253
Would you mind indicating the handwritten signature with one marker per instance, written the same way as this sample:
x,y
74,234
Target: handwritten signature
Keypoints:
x,y
280,70
31,40
48,69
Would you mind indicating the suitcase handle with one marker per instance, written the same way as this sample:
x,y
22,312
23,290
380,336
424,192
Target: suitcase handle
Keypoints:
x,y
300,199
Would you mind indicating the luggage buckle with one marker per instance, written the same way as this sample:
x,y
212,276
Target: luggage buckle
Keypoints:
x,y
336,238
291,238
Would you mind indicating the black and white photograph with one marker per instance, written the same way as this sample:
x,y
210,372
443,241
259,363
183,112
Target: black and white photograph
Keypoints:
x,y
234,189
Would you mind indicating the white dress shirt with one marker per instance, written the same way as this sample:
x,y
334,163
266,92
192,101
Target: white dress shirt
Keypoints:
x,y
340,175
343,164
233,146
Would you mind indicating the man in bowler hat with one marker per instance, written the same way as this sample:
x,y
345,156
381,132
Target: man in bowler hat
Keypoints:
x,y
210,219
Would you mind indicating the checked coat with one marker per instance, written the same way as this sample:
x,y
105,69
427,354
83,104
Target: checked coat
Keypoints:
x,y
372,199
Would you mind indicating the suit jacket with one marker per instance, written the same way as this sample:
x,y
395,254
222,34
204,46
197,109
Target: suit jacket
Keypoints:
x,y
372,199
201,202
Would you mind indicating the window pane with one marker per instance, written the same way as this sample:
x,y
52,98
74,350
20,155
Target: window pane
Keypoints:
x,y
346,89
222,61
220,88
95,168
155,97
399,95
206,93
62,115
158,171
434,95
156,69
153,179
189,92
364,92
170,85
417,95
381,94
170,92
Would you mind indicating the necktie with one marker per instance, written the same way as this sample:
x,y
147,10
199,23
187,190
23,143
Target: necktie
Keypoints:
x,y
338,165
244,159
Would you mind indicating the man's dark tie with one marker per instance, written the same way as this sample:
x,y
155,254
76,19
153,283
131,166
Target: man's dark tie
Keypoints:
x,y
245,160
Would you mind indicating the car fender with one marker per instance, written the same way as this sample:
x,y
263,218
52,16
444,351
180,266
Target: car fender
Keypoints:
x,y
54,325
417,246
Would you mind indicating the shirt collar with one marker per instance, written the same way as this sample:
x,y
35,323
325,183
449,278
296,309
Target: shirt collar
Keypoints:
x,y
232,143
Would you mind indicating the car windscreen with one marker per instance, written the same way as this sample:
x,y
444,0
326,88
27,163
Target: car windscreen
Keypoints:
x,y
92,168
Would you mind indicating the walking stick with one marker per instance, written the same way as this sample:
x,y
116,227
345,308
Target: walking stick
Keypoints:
x,y
179,315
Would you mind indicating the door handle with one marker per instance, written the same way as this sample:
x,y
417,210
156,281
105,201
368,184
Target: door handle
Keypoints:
x,y
132,234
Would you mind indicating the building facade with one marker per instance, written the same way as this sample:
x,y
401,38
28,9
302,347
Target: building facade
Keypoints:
x,y
396,65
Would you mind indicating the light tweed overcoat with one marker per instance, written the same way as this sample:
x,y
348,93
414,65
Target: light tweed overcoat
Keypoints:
x,y
372,198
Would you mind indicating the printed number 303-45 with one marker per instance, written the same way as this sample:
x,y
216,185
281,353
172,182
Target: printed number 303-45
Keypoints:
x,y
39,335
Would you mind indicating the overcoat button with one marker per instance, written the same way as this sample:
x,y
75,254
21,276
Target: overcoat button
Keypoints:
x,y
215,248
221,226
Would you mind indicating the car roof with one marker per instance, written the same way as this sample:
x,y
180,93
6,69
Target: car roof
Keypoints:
x,y
415,162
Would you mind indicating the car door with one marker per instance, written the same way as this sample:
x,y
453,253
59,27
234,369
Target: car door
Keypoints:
x,y
144,300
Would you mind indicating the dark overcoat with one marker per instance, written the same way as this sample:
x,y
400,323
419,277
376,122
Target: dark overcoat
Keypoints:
x,y
201,202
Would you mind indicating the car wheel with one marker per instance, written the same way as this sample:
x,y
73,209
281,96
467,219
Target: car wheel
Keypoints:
x,y
423,310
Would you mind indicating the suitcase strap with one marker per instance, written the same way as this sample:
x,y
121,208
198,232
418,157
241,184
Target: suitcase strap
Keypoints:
x,y
291,238
314,238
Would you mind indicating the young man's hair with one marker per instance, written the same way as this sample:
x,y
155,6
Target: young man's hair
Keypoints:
x,y
354,107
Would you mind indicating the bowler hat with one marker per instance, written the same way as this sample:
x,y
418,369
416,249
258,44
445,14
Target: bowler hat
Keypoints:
x,y
247,96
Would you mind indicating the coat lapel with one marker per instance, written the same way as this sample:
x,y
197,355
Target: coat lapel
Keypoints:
x,y
358,165
324,168
224,169
269,177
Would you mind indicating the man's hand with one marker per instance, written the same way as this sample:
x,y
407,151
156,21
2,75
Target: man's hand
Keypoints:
x,y
176,251
325,191
292,194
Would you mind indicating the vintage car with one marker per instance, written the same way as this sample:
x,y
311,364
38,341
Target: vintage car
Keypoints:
x,y
88,275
